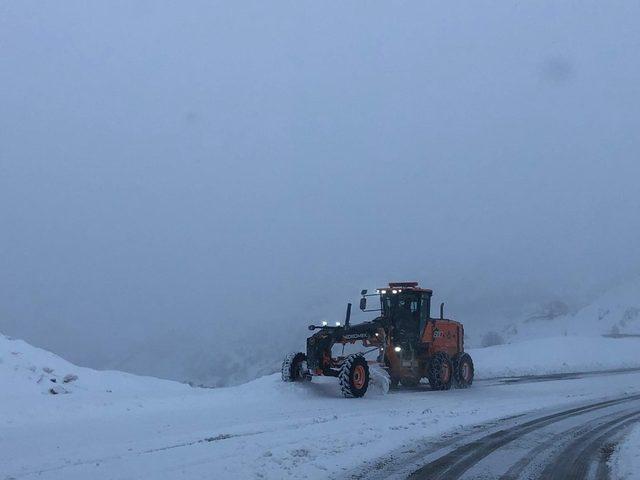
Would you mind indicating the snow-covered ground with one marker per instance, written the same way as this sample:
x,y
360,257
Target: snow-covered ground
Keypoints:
x,y
116,425
625,461
62,421
545,356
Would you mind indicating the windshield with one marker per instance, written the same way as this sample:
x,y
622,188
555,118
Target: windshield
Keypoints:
x,y
404,302
388,304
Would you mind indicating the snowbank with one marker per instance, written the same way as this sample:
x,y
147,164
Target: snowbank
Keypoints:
x,y
625,462
556,355
26,370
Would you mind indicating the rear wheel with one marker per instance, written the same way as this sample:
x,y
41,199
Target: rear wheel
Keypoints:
x,y
294,367
440,371
354,376
463,370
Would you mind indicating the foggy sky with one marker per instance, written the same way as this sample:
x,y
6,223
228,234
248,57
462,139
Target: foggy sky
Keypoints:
x,y
199,176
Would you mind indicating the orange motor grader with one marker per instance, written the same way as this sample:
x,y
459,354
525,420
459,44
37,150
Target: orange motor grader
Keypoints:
x,y
409,344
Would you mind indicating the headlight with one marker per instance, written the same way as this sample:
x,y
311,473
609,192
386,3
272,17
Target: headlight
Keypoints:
x,y
394,291
398,349
324,323
337,324
383,292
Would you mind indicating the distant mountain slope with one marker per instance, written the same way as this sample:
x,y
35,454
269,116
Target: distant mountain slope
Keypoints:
x,y
615,313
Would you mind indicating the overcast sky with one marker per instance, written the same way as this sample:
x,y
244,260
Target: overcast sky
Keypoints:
x,y
184,175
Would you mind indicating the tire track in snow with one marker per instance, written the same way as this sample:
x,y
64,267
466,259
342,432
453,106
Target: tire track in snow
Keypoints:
x,y
587,457
455,463
551,447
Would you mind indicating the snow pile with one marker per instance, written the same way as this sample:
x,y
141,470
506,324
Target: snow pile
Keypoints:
x,y
379,379
625,462
556,355
26,370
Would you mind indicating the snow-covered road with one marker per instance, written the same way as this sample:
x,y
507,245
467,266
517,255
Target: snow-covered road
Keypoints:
x,y
557,445
268,429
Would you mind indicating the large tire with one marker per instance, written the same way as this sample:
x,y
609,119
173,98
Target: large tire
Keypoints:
x,y
293,367
463,370
354,376
440,372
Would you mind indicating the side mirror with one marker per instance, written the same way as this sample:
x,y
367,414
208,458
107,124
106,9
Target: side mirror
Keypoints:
x,y
312,327
363,292
363,303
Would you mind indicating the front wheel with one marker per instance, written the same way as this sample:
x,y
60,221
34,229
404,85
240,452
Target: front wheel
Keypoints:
x,y
354,376
294,367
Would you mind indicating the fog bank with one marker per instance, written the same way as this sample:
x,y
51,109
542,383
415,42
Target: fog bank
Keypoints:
x,y
185,186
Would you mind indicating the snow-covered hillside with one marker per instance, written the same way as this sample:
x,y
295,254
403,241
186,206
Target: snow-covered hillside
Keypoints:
x,y
26,371
614,313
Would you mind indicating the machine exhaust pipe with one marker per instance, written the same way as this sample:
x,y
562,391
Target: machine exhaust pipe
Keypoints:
x,y
442,311
347,317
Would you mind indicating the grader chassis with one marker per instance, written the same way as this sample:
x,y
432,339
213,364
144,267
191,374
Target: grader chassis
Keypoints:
x,y
410,345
